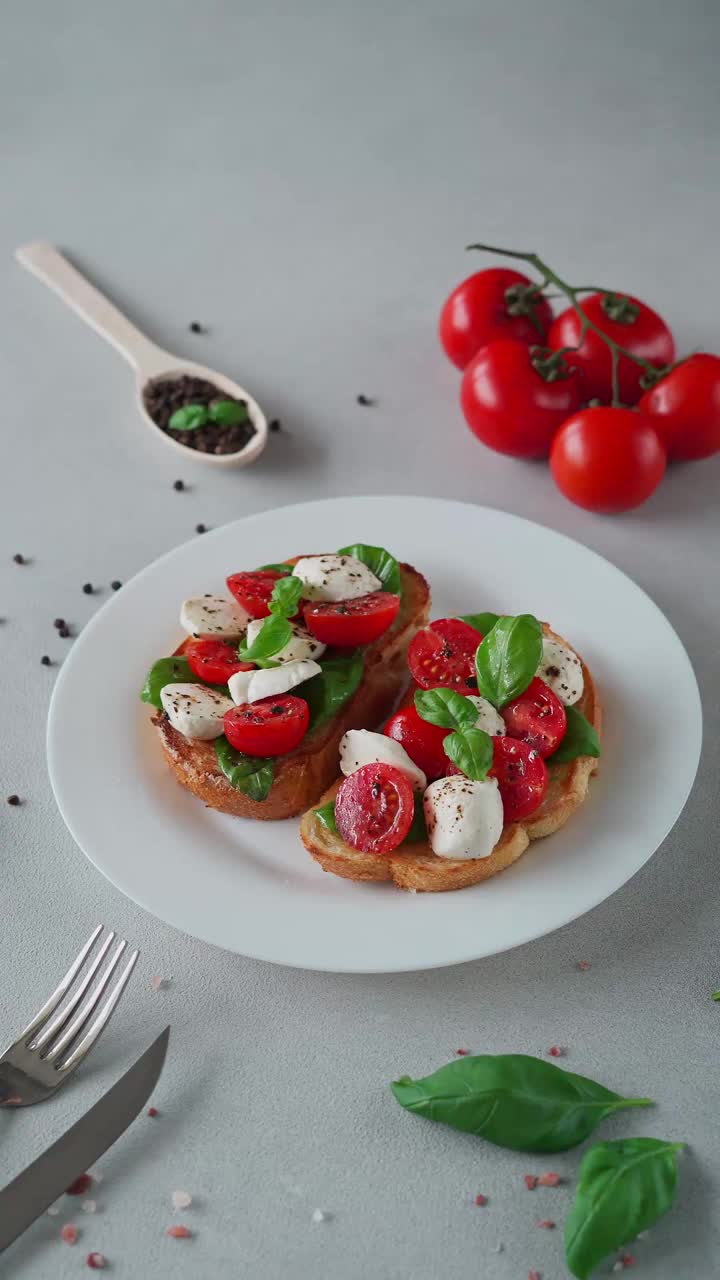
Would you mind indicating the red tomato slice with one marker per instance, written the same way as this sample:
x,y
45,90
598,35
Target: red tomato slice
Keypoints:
x,y
213,660
522,777
347,623
253,590
444,654
422,741
537,716
270,727
374,808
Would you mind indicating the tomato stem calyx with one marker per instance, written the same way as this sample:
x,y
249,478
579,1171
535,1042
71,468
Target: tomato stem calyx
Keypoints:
x,y
522,300
550,364
616,306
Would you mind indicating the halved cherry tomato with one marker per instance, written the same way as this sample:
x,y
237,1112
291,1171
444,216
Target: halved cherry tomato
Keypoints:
x,y
213,660
522,777
494,303
422,741
538,717
444,654
374,808
253,590
347,623
270,727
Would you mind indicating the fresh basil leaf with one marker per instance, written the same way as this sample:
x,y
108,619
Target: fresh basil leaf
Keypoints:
x,y
716,995
623,1188
284,569
189,418
286,595
249,774
508,658
228,412
446,708
326,816
580,739
380,562
513,1100
327,692
482,622
272,637
471,750
170,671
416,835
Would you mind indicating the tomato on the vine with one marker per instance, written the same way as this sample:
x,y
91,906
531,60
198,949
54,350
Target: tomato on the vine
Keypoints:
x,y
444,654
514,402
269,727
495,303
685,408
538,717
608,460
422,741
629,323
374,808
213,660
347,623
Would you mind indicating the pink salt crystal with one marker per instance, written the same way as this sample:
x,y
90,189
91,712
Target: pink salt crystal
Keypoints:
x,y
462,1053
181,1200
549,1180
179,1232
160,984
530,1180
481,1200
534,1275
556,1051
96,1261
69,1233
88,1206
53,1211
546,1223
583,965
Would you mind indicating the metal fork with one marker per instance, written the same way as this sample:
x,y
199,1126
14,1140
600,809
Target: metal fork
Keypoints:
x,y
63,1032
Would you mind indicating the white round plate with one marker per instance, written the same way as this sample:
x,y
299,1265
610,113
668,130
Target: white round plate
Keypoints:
x,y
250,886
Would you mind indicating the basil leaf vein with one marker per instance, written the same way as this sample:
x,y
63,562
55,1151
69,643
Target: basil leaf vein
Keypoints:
x,y
380,562
250,774
623,1188
286,595
471,750
508,658
513,1100
446,708
580,739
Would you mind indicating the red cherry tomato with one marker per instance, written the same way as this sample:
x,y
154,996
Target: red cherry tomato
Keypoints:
x,y
522,777
607,460
510,406
422,741
270,727
481,309
253,590
347,623
213,660
444,654
685,408
374,808
628,322
538,717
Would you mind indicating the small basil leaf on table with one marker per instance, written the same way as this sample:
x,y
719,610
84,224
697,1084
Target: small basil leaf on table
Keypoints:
x,y
327,692
482,622
580,739
513,1100
249,774
380,562
623,1188
445,707
508,658
471,750
175,670
228,412
326,816
272,637
189,418
283,569
285,596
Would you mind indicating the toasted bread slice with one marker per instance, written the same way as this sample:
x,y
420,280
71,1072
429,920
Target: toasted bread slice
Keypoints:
x,y
417,867
303,774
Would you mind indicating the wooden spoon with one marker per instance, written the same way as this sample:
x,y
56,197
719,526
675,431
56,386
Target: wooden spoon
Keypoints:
x,y
149,362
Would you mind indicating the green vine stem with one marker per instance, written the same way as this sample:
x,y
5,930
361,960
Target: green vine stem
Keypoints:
x,y
651,372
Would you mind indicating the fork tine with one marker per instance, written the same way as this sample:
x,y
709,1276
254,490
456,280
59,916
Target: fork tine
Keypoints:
x,y
57,1023
85,1012
57,995
100,1022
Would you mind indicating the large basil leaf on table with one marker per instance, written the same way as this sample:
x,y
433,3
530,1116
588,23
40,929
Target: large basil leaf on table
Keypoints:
x,y
249,774
624,1187
175,670
380,562
327,693
513,1100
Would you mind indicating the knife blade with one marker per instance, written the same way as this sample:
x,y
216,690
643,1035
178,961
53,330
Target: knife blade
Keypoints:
x,y
38,1186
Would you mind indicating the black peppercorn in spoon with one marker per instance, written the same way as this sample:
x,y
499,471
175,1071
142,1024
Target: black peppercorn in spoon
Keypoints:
x,y
226,432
